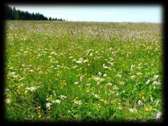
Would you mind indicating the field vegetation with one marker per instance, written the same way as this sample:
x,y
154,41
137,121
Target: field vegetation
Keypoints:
x,y
83,71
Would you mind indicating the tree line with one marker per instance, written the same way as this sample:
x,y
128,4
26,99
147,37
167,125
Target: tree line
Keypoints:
x,y
13,14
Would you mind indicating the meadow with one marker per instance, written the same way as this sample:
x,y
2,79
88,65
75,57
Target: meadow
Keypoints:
x,y
83,71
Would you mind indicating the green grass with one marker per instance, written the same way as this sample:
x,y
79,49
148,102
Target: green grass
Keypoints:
x,y
83,71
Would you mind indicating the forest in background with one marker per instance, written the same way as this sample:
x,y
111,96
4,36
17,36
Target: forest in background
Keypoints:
x,y
14,14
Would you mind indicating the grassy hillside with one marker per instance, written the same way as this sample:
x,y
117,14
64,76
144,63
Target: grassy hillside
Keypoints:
x,y
83,71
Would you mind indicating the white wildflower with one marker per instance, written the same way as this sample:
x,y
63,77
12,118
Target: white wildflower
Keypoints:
x,y
104,75
115,87
49,56
123,92
103,100
132,66
12,73
139,73
63,97
77,102
58,66
119,107
57,101
118,75
155,77
48,105
110,48
105,67
147,82
96,96
6,90
140,102
133,77
31,70
98,82
91,54
32,89
96,78
79,61
158,115
133,110
74,60
99,73
81,77
88,84
109,84
121,83
76,82
96,52
53,53
70,57
87,90
74,67
117,94
86,60
156,83
25,52
8,101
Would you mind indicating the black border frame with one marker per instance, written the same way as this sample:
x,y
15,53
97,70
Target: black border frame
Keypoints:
x,y
82,2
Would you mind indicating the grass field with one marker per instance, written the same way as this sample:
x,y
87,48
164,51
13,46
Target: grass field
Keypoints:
x,y
83,71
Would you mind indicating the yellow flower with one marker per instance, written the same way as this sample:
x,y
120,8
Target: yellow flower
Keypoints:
x,y
148,108
63,83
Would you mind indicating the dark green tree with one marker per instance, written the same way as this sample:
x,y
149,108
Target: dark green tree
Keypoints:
x,y
13,14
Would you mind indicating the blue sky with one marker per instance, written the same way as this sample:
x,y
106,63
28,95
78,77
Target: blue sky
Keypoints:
x,y
100,13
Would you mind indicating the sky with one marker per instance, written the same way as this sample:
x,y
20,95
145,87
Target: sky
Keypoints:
x,y
98,13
